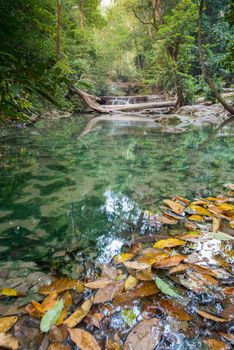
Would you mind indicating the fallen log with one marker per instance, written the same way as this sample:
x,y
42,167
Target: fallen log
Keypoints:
x,y
91,102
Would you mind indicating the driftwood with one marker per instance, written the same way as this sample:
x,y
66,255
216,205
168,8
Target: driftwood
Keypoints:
x,y
92,102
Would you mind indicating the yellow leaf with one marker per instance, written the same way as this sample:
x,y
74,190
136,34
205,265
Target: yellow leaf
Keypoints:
x,y
61,285
7,322
200,210
79,314
123,257
170,261
152,257
9,292
130,283
215,344
176,207
165,220
168,243
195,218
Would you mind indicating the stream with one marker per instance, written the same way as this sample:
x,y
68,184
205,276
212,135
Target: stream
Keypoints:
x,y
61,192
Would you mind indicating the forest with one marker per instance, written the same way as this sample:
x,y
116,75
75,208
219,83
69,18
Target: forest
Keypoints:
x,y
116,175
48,46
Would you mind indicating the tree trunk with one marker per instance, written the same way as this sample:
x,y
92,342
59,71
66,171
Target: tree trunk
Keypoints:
x,y
207,79
91,102
81,10
58,29
157,13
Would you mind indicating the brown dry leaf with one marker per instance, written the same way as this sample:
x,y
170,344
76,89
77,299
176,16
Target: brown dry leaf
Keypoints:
x,y
179,268
174,310
200,210
100,283
145,275
231,223
228,312
210,316
84,340
210,279
135,265
146,335
108,272
152,257
228,290
123,257
168,243
32,311
181,199
7,322
7,341
228,337
38,307
165,220
61,285
143,289
195,218
203,270
190,225
215,344
108,293
79,314
59,346
130,283
176,207
216,224
173,260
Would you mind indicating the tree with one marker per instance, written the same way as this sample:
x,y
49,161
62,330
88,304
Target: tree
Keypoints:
x,y
58,29
205,73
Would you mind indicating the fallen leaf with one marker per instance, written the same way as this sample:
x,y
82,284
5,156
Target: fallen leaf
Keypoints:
x,y
181,199
173,260
50,301
200,210
145,275
151,257
129,316
167,288
59,346
189,235
32,311
179,268
221,236
83,339
203,270
168,243
228,290
7,322
130,283
7,341
174,310
79,314
216,224
176,207
108,293
123,257
9,292
228,337
135,265
51,317
62,285
146,335
100,283
215,344
165,220
196,218
210,316
143,289
228,312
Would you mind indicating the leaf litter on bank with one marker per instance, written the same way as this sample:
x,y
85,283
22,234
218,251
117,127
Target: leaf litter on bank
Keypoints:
x,y
184,275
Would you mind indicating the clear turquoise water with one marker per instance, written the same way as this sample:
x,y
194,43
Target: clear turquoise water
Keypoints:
x,y
62,191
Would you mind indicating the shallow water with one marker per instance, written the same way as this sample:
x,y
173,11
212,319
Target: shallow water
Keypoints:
x,y
62,191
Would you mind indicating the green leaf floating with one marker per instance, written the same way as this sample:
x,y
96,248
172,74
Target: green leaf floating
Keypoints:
x,y
129,316
51,317
166,288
